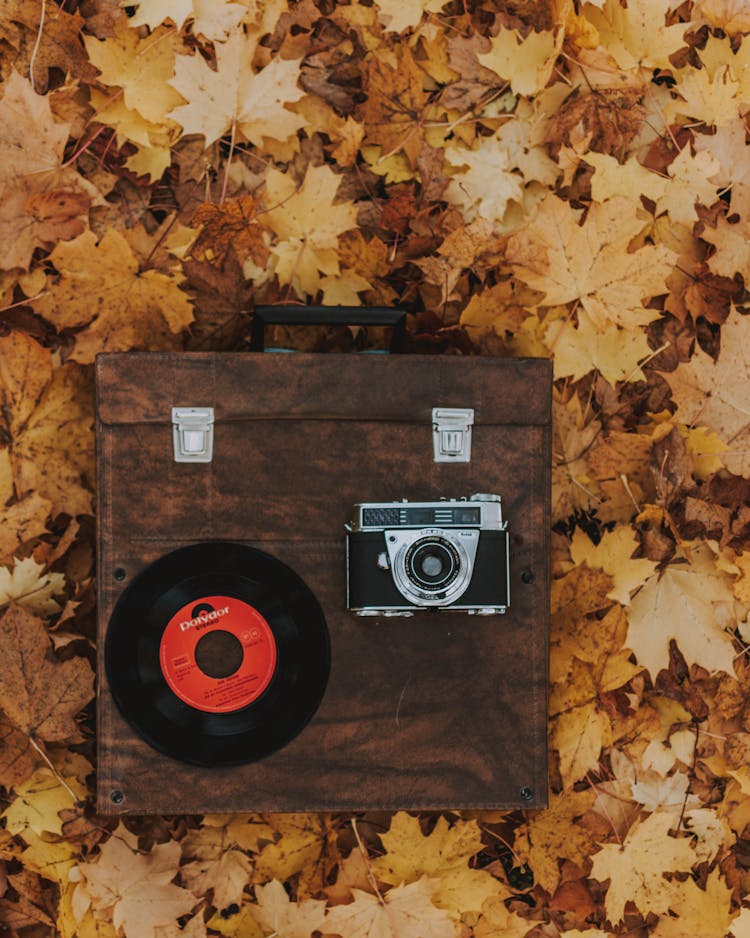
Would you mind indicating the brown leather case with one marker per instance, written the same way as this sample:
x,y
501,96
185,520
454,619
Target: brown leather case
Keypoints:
x,y
441,710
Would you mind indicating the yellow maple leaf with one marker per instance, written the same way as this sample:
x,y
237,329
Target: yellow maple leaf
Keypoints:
x,y
635,869
484,188
549,836
614,555
443,856
404,912
99,287
303,845
612,178
711,99
496,919
614,351
235,95
733,16
39,800
716,395
280,916
141,66
398,15
591,262
214,864
48,416
526,63
579,735
131,887
29,586
211,20
308,223
693,604
31,141
637,35
689,185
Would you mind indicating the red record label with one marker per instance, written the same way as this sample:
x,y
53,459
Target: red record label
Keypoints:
x,y
247,642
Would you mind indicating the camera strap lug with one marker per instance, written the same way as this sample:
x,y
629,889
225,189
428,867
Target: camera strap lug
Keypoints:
x,y
451,433
193,433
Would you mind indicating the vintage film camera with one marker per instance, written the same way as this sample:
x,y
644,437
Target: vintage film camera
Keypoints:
x,y
448,554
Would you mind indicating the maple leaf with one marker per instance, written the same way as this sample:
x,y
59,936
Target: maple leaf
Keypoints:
x,y
713,99
689,185
132,887
526,63
637,36
141,66
41,695
716,395
303,845
280,916
28,586
39,800
235,95
22,521
308,223
635,869
17,756
398,15
614,555
579,734
442,856
612,178
732,16
233,222
497,920
30,140
210,19
393,111
730,241
615,352
590,262
216,866
693,604
118,307
488,184
547,837
403,912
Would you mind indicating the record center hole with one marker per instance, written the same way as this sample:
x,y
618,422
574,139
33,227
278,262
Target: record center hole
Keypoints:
x,y
218,654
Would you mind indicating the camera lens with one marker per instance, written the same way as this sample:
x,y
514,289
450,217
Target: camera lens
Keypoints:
x,y
432,563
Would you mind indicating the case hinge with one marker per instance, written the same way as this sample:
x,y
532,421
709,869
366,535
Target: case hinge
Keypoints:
x,y
193,433
451,433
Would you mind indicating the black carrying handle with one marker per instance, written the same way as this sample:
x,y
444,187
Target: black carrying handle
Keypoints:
x,y
328,316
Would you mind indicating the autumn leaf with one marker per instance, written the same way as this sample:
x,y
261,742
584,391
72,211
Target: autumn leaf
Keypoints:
x,y
525,63
591,262
27,585
405,911
636,869
100,291
211,20
716,395
234,95
133,888
614,555
30,140
41,695
307,236
442,856
215,865
279,915
690,602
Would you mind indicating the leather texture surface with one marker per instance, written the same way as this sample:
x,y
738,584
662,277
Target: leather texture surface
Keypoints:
x,y
441,710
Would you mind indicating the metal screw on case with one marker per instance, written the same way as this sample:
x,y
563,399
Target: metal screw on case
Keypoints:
x,y
117,797
119,574
527,576
527,793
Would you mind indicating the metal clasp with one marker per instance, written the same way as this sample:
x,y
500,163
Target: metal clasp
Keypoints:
x,y
193,433
451,433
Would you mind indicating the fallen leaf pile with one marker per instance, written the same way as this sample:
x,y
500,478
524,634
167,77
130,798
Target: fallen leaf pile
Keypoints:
x,y
560,179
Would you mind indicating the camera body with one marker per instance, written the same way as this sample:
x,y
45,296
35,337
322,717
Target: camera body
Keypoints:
x,y
405,556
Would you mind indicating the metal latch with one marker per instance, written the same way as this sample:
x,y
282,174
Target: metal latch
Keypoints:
x,y
451,433
193,433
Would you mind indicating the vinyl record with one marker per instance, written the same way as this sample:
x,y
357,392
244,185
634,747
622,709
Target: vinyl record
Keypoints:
x,y
217,654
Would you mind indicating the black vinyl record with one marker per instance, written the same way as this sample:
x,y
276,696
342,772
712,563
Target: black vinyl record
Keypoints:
x,y
217,654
